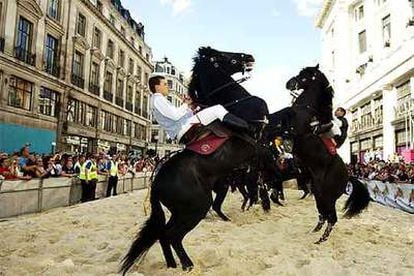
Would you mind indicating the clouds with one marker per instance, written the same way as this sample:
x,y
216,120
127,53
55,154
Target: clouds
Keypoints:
x,y
308,8
178,6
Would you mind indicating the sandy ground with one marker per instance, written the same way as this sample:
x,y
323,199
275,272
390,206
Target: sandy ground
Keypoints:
x,y
89,239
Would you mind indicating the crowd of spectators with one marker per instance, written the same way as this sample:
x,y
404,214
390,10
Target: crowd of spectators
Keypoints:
x,y
392,171
25,165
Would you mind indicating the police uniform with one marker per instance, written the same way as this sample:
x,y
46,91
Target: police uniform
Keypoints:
x,y
113,178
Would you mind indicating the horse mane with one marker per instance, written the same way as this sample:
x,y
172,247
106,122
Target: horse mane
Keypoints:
x,y
193,85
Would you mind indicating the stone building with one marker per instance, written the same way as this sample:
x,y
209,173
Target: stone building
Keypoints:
x,y
73,76
367,52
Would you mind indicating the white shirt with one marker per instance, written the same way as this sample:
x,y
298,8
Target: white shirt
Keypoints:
x,y
172,119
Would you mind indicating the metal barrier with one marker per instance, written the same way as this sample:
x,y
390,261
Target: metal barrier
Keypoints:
x,y
25,197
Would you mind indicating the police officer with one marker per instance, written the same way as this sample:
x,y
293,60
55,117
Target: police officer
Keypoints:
x,y
113,175
91,175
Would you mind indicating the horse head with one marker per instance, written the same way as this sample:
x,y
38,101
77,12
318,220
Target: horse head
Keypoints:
x,y
212,73
316,92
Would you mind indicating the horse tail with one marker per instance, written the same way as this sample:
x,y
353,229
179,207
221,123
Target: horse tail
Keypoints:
x,y
358,200
147,236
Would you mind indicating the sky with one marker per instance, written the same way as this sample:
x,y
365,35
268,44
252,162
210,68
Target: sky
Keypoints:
x,y
280,34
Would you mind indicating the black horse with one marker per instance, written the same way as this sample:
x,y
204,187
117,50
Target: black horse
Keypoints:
x,y
184,183
328,172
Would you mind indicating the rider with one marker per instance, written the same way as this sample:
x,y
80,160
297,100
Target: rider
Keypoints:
x,y
336,129
178,121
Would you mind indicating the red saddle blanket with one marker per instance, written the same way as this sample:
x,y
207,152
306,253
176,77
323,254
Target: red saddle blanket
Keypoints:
x,y
207,145
329,145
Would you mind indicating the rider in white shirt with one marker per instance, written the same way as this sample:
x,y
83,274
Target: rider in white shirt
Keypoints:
x,y
177,121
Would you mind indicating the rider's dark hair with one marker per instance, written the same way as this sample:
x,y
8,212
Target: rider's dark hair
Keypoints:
x,y
342,110
153,81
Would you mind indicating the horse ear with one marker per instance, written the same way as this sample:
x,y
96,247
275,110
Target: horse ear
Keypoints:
x,y
317,66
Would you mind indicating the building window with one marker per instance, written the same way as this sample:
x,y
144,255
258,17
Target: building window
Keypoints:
x,y
77,70
97,38
145,106
49,102
139,73
146,78
170,84
140,49
91,116
137,102
20,93
121,60
386,31
81,25
127,127
110,49
24,42
94,79
119,93
359,13
51,56
112,20
362,40
123,31
53,9
131,66
108,86
129,99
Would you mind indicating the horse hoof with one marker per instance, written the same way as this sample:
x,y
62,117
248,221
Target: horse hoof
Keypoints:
x,y
321,240
172,265
188,268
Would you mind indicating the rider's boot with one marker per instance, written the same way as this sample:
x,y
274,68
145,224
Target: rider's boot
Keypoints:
x,y
236,123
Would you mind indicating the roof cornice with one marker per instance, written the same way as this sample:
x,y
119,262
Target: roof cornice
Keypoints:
x,y
324,12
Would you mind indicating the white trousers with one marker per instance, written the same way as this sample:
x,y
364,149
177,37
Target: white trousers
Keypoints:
x,y
204,117
335,130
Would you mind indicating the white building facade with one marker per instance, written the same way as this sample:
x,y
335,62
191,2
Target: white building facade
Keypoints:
x,y
368,55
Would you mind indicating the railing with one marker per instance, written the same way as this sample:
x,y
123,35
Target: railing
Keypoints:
x,y
24,197
78,81
94,88
108,96
129,106
137,109
119,101
24,55
53,69
2,42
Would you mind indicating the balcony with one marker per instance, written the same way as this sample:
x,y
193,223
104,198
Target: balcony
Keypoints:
x,y
119,101
53,69
24,55
2,40
94,89
78,81
108,96
129,106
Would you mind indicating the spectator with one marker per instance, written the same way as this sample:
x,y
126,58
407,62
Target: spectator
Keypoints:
x,y
7,172
26,164
68,170
113,168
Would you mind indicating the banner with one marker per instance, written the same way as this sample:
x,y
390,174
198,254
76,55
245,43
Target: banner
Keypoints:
x,y
399,196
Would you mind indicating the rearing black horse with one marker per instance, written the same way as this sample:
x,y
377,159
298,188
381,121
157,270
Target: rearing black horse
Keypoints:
x,y
184,183
328,172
